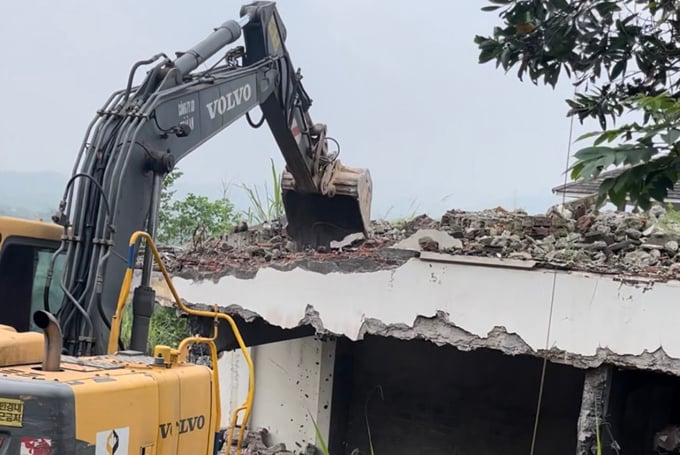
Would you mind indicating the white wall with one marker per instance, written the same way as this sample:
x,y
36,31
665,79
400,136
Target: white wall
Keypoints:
x,y
293,382
590,310
233,383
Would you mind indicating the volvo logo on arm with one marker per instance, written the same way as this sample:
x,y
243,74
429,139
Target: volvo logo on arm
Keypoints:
x,y
229,101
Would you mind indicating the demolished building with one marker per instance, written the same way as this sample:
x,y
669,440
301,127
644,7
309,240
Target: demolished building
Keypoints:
x,y
430,337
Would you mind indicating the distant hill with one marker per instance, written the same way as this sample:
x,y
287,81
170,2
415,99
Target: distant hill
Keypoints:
x,y
30,194
37,194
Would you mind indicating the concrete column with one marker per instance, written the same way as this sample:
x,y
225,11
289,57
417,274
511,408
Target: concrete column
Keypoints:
x,y
594,404
233,383
293,382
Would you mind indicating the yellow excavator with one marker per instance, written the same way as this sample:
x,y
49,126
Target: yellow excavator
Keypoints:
x,y
68,384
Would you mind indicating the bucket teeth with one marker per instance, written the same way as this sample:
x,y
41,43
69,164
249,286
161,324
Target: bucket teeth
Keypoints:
x,y
341,207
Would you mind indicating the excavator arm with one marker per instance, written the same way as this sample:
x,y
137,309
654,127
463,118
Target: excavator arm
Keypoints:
x,y
142,132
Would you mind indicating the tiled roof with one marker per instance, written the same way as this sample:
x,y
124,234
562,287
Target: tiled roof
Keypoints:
x,y
584,188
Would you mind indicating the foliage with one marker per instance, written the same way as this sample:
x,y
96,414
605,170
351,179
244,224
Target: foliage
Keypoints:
x,y
319,436
401,222
670,221
624,57
165,327
269,208
167,194
193,217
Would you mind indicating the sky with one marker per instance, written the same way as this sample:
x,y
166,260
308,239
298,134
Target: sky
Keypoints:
x,y
397,83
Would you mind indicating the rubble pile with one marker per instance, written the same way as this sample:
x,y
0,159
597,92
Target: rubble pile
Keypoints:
x,y
607,242
254,444
242,253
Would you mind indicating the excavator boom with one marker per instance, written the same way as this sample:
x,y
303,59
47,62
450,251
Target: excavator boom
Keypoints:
x,y
74,392
142,132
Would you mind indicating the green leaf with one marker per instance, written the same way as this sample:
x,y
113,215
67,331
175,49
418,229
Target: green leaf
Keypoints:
x,y
589,38
619,68
490,8
319,437
559,4
592,152
671,136
606,8
588,135
608,136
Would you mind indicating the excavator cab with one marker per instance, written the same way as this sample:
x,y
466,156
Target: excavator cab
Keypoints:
x,y
316,219
27,248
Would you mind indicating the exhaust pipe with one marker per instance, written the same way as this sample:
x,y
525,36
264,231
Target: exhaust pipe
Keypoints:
x,y
53,339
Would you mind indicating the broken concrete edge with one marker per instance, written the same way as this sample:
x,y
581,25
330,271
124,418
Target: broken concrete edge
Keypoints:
x,y
392,258
438,329
387,259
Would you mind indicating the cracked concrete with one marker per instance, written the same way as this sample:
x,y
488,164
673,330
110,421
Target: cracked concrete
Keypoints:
x,y
439,330
594,407
594,317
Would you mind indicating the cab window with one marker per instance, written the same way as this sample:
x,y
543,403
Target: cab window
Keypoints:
x,y
23,271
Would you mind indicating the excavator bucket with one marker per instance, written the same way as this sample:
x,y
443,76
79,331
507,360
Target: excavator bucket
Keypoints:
x,y
342,208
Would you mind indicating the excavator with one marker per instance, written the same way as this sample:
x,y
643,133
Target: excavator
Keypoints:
x,y
68,384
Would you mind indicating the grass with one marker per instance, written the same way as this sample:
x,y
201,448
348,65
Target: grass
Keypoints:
x,y
412,210
322,441
319,437
670,221
268,206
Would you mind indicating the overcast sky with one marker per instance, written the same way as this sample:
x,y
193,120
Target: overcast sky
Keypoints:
x,y
397,82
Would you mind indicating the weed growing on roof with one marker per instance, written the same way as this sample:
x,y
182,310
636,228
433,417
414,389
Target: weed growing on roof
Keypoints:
x,y
670,221
269,205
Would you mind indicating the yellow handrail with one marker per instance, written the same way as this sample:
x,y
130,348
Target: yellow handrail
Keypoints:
x,y
215,371
116,323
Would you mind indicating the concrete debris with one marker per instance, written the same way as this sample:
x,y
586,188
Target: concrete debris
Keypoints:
x,y
668,440
615,242
349,241
254,444
429,240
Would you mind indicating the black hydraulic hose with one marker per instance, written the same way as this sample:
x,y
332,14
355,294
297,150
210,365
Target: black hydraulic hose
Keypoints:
x,y
253,124
50,270
95,182
133,70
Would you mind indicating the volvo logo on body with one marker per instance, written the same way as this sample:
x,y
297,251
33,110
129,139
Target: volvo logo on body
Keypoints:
x,y
186,425
229,101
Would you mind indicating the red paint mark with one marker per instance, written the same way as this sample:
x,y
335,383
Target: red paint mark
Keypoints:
x,y
35,446
295,130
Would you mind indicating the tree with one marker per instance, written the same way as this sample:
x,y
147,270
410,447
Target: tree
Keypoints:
x,y
165,212
624,58
193,218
